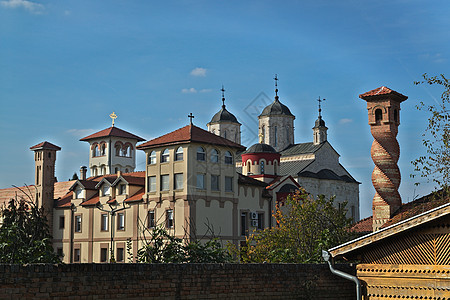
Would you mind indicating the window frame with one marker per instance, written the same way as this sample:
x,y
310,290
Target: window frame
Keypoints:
x,y
151,220
62,222
165,182
165,156
121,221
203,185
179,154
230,179
176,181
104,225
215,183
150,184
152,158
228,158
201,154
170,219
103,255
78,224
214,158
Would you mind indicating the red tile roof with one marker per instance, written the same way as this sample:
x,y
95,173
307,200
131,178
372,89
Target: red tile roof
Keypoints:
x,y
363,226
112,131
65,201
92,201
382,91
136,197
46,146
187,134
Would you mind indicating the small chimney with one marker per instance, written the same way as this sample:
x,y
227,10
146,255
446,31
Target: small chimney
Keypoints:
x,y
83,171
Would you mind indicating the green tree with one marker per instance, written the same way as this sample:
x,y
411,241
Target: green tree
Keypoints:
x,y
24,234
304,226
435,166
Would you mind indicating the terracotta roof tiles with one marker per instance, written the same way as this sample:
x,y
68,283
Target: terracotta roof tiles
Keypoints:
x,y
113,131
381,91
187,134
46,146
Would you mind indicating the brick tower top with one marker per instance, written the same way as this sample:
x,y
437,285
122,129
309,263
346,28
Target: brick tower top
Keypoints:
x,y
383,105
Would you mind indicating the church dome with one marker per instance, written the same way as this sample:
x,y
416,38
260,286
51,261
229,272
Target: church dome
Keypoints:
x,y
320,122
260,148
276,108
224,115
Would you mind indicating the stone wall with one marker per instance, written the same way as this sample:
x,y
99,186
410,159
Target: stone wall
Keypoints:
x,y
175,281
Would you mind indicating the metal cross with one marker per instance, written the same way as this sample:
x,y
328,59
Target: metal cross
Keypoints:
x,y
320,107
113,116
276,84
191,116
223,96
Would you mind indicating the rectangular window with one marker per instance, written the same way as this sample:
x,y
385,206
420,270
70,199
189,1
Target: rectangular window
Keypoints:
x,y
151,219
76,255
61,222
104,222
260,221
164,182
201,181
122,189
120,221
215,182
169,218
120,255
179,181
244,224
103,254
106,190
78,223
152,183
228,184
60,252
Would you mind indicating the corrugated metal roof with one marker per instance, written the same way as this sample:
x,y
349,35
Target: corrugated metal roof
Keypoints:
x,y
302,148
294,167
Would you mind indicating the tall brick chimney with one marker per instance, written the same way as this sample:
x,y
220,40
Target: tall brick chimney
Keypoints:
x,y
383,105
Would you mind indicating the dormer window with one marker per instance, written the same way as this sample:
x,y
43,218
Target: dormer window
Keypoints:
x,y
106,190
122,189
79,193
165,156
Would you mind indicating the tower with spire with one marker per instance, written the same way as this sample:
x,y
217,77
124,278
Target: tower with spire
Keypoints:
x,y
225,124
320,130
276,123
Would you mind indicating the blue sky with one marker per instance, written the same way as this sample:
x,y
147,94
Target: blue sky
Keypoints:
x,y
66,65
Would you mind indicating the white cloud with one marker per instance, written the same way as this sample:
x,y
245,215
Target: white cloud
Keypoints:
x,y
345,121
189,91
80,132
32,7
205,90
199,72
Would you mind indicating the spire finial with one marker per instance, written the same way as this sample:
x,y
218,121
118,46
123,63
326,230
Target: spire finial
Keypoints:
x,y
113,116
276,86
223,96
320,106
191,116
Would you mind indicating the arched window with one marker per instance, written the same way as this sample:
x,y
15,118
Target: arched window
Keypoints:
x,y
97,150
275,163
378,114
179,154
116,170
214,156
152,158
94,171
126,170
118,148
225,134
201,154
249,165
263,133
395,116
261,166
287,135
228,158
165,156
103,149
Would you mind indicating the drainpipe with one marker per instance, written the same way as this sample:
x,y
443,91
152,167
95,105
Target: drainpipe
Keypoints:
x,y
326,257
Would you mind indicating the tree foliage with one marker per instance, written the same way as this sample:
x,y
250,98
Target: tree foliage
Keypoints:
x,y
24,234
162,247
435,166
304,226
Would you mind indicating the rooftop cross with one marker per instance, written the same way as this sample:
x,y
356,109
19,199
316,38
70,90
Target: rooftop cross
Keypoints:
x,y
320,107
191,116
113,116
276,86
223,96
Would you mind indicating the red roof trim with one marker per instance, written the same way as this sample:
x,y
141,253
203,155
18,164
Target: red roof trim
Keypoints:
x,y
112,131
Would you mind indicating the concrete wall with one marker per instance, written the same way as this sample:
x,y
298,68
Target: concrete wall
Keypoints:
x,y
174,281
